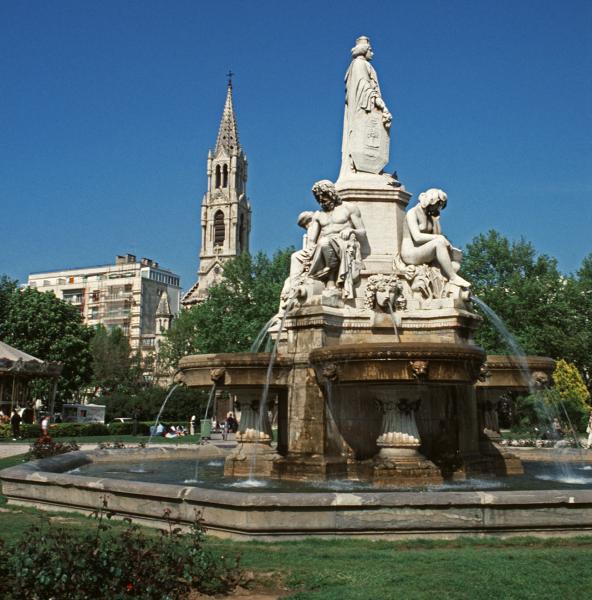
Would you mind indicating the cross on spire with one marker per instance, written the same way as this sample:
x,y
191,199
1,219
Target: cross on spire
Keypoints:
x,y
230,75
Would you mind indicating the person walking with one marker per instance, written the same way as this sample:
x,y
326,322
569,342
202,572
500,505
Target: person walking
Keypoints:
x,y
15,424
45,426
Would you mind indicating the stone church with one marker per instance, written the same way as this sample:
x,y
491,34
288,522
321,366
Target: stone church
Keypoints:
x,y
225,208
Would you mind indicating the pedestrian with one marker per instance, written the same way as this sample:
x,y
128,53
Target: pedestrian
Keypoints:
x,y
557,430
589,431
232,423
45,426
15,424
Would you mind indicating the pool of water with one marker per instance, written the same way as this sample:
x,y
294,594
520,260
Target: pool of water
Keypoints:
x,y
210,474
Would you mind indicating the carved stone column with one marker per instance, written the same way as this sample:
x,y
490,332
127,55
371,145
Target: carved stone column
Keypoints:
x,y
399,429
254,426
254,455
499,460
399,461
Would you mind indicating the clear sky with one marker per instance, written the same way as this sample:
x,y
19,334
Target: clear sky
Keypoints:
x,y
108,109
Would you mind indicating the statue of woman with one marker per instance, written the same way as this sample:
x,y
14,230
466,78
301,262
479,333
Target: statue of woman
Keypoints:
x,y
423,242
366,120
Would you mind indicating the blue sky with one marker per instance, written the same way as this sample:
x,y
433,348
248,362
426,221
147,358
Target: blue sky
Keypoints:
x,y
108,109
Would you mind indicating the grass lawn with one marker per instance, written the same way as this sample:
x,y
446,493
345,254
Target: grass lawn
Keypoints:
x,y
470,569
358,569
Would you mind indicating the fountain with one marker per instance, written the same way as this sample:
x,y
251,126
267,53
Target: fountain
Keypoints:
x,y
374,310
383,400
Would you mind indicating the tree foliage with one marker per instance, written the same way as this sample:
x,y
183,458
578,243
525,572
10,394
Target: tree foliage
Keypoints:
x,y
145,404
538,304
52,330
114,367
235,311
7,287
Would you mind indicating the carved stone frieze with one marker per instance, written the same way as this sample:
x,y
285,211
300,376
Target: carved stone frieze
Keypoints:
x,y
384,290
539,380
330,372
419,368
218,374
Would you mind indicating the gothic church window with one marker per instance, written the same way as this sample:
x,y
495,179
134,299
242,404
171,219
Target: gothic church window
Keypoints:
x,y
217,176
241,233
219,229
225,176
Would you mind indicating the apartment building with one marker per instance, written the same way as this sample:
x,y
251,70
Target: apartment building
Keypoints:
x,y
139,296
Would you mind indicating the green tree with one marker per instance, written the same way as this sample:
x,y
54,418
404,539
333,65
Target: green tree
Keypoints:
x,y
536,302
114,368
583,297
7,287
147,402
50,329
235,311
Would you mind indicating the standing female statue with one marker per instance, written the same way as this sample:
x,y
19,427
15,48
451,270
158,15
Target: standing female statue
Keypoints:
x,y
367,121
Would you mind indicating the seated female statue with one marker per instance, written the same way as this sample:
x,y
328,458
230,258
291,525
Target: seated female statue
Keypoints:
x,y
423,242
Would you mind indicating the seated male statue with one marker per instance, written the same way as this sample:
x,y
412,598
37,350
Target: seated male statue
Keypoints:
x,y
423,242
335,233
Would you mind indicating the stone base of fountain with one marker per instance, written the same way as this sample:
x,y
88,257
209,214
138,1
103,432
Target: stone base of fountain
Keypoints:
x,y
312,467
404,467
498,460
252,460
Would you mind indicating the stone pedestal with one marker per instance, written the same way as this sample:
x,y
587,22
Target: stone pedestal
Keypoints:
x,y
382,202
399,461
254,455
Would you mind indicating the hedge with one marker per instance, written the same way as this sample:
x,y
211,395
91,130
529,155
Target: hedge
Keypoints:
x,y
83,429
58,430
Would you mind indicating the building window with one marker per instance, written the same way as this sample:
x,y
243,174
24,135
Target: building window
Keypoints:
x,y
219,232
225,176
217,176
241,233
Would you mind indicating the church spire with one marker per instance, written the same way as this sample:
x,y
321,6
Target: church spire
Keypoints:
x,y
228,132
225,208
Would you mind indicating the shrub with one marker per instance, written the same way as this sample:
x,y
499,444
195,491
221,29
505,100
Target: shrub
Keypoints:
x,y
570,384
105,564
27,431
535,412
45,447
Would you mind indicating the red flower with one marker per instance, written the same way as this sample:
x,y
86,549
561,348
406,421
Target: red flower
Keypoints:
x,y
129,587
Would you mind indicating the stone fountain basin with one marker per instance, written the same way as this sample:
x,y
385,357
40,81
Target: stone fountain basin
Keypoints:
x,y
505,373
272,516
401,362
233,370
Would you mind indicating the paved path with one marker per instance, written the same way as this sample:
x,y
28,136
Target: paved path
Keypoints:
x,y
7,450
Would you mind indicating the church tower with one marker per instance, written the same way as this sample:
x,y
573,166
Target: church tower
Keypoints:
x,y
225,208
